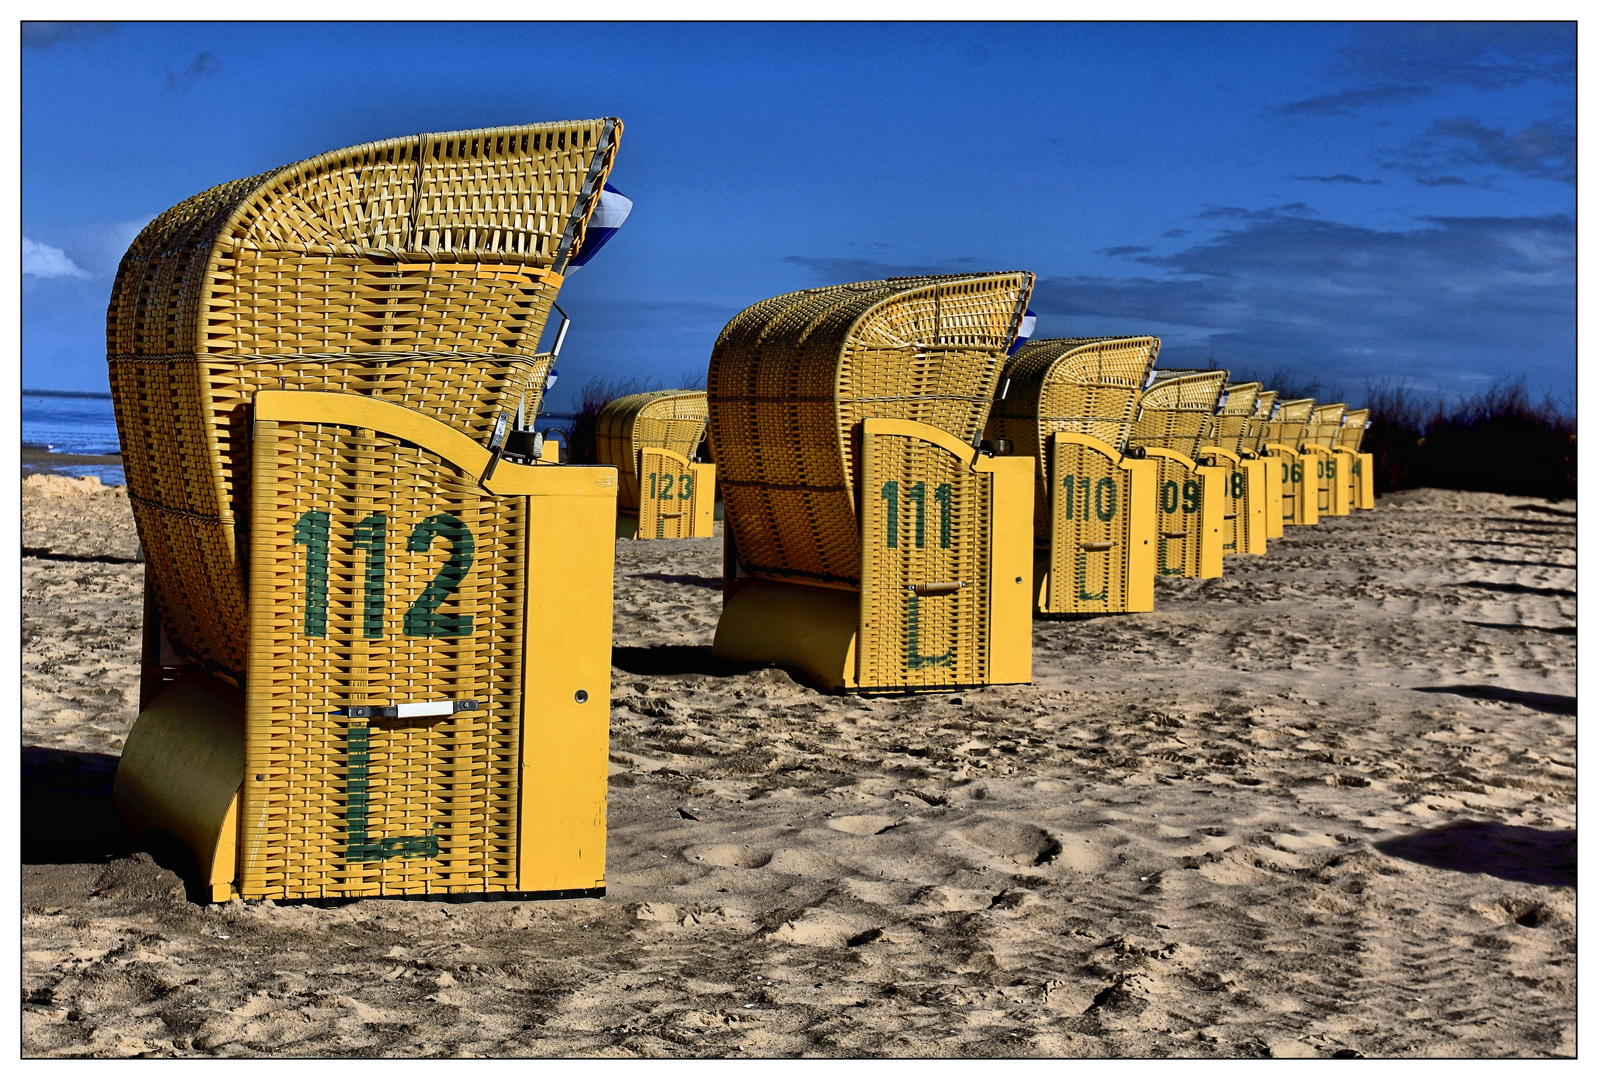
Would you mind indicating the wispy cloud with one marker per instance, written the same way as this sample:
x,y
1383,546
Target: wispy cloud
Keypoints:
x,y
1124,250
202,65
1466,150
45,261
1339,178
47,35
1241,213
1390,63
95,247
1453,300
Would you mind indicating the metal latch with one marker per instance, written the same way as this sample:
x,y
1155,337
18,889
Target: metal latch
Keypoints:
x,y
937,588
407,709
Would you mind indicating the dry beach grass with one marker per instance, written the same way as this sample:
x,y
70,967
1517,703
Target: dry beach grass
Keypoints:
x,y
1323,806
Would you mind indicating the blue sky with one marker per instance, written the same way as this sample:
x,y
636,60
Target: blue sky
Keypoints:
x,y
1344,202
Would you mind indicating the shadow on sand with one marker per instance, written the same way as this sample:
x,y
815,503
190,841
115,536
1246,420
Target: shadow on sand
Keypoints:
x,y
1512,852
66,807
676,660
1558,704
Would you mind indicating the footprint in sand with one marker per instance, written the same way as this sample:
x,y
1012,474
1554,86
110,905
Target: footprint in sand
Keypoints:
x,y
862,824
739,855
1014,840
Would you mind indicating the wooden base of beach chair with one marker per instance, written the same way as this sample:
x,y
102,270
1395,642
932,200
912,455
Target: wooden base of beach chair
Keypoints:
x,y
181,770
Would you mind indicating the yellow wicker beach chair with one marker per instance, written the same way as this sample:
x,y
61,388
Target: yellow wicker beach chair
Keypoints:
x,y
1243,524
317,372
653,440
1331,468
1176,418
1069,403
869,545
1361,469
1254,440
1284,434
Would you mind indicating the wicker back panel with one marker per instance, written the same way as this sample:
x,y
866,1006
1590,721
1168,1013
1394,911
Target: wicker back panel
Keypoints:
x,y
1241,398
1352,432
421,269
792,378
1234,424
664,419
1090,531
1264,405
1325,425
1287,426
1085,386
379,575
1177,412
926,519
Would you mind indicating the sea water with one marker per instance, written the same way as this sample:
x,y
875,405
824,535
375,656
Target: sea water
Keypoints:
x,y
72,425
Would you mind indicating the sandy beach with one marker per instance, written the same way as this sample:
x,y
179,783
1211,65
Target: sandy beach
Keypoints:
x,y
1323,806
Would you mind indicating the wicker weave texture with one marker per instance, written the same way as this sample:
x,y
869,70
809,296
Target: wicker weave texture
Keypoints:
x,y
1288,469
1350,435
664,419
1178,519
1235,428
1085,386
379,575
792,378
1325,425
420,268
1237,496
1178,411
1287,427
675,495
1258,428
925,521
1090,539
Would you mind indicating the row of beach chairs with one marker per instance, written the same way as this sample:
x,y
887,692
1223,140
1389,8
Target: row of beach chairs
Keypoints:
x,y
896,528
378,610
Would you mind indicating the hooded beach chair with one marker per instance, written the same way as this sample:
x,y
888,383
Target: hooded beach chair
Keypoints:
x,y
1243,524
1175,418
1254,440
1069,404
870,546
316,374
1284,435
1361,467
1319,448
653,440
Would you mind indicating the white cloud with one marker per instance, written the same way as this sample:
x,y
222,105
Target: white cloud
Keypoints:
x,y
42,260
